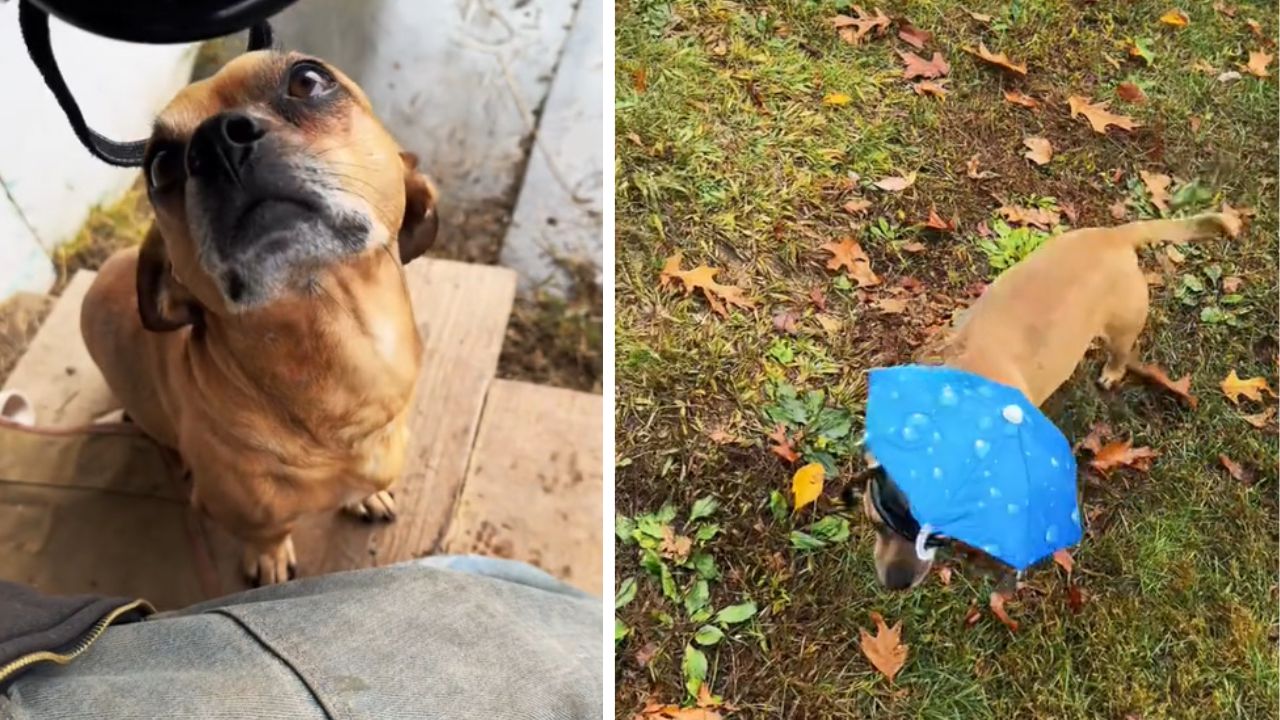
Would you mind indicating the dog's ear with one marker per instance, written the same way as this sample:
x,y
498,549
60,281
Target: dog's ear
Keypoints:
x,y
163,303
421,221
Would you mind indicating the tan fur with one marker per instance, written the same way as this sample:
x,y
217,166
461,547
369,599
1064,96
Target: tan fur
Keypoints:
x,y
1034,324
294,407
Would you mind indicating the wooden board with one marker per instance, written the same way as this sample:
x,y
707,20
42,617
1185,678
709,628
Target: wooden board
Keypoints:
x,y
534,488
462,312
56,373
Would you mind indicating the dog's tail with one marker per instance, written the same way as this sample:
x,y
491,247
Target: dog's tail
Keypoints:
x,y
1181,230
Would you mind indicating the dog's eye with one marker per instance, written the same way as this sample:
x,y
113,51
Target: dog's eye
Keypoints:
x,y
165,169
308,80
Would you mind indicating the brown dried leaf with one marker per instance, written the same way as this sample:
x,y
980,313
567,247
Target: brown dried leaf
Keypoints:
x,y
1260,420
884,649
645,654
1233,387
1119,210
818,297
934,222
1156,375
1158,186
944,574
1258,63
915,246
1069,209
891,306
914,36
1175,18
1062,556
830,324
980,17
1043,218
1075,598
1224,8
785,322
1098,116
971,169
782,446
1017,98
856,206
720,436
1122,453
918,67
1236,470
972,617
929,87
703,278
1131,93
854,29
997,606
1039,150
675,547
1231,284
897,183
640,80
1255,28
999,60
848,254
1098,434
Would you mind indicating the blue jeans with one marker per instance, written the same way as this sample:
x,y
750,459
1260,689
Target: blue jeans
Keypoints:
x,y
445,637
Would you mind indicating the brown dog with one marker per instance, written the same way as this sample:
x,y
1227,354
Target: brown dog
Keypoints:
x,y
263,329
1034,324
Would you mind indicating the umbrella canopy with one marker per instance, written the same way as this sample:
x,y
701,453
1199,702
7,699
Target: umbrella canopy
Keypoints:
x,y
976,461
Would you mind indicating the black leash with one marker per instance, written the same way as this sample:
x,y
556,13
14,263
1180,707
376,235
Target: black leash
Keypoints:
x,y
35,33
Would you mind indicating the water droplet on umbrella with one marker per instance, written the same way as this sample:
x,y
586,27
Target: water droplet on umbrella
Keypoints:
x,y
984,391
1013,508
1012,413
1051,534
894,395
994,491
981,447
1075,516
910,434
937,473
937,438
948,396
1053,462
984,423
991,549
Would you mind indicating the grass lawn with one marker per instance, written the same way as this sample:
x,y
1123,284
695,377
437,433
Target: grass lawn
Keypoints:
x,y
736,149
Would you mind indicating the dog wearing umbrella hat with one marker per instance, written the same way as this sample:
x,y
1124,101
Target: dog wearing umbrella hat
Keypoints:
x,y
958,449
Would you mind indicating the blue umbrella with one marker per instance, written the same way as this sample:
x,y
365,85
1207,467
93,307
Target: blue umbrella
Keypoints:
x,y
977,462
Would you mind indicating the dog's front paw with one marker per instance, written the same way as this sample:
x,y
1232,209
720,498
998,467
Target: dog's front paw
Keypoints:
x,y
378,506
268,565
1111,377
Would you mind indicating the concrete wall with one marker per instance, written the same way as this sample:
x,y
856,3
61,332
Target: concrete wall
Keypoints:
x,y
49,180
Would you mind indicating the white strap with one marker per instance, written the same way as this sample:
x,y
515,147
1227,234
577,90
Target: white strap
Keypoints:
x,y
923,552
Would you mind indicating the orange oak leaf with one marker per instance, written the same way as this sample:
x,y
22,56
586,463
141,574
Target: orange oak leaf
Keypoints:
x,y
1039,150
980,17
1098,116
918,67
929,87
1260,420
1258,63
1236,470
1157,376
1097,435
1017,98
1158,186
1131,93
1043,218
675,547
997,606
848,254
1122,453
999,60
897,183
782,446
937,223
1062,556
1233,387
854,29
884,649
703,278
856,206
914,36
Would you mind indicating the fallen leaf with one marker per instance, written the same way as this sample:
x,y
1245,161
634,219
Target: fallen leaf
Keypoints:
x,y
1073,215
1156,375
1175,18
1097,435
1017,98
1260,420
1255,28
1062,556
1000,60
1224,8
854,29
1233,387
1131,93
646,653
720,436
806,485
980,17
897,183
1158,186
829,324
891,306
1236,470
1075,598
918,67
914,36
1195,122
983,230
1043,218
785,322
937,223
1119,210
972,617
1098,115
915,246
848,254
929,87
782,446
1039,150
1175,255
675,547
885,649
971,169
856,206
836,99
1258,62
703,278
818,297
1231,284
1122,453
1202,66
1229,76
655,711
944,574
640,80
997,606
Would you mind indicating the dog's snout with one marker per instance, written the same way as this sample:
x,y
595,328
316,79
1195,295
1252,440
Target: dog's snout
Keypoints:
x,y
223,144
899,576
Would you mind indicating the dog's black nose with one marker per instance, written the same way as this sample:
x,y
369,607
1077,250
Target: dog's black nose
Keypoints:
x,y
223,144
899,577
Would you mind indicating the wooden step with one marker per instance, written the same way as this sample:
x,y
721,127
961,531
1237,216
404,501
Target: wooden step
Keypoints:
x,y
534,489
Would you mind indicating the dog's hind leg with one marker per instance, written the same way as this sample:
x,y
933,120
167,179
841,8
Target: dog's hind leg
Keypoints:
x,y
1120,334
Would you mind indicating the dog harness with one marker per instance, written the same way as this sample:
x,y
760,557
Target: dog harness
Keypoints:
x,y
967,459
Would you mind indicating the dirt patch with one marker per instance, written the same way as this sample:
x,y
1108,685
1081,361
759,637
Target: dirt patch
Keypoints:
x,y
557,341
